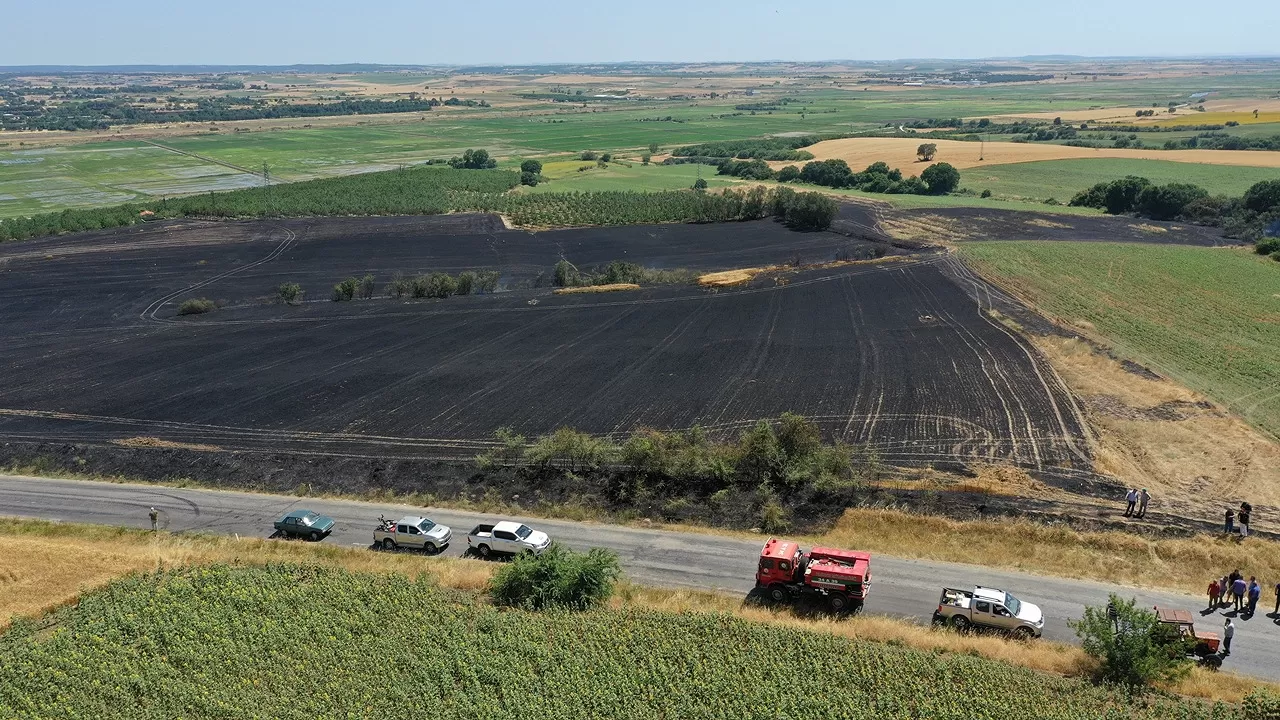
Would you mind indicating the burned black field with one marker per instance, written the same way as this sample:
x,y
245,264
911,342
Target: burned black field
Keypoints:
x,y
898,354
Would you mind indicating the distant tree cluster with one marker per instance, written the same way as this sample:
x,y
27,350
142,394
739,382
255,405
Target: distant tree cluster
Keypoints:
x,y
473,160
1246,217
772,149
101,114
937,179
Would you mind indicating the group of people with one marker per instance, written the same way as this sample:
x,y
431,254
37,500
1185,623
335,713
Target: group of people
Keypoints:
x,y
1138,500
1242,597
1243,516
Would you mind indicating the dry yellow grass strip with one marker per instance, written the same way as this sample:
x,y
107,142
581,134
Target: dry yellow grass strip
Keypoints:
x,y
611,287
47,565
154,442
1184,564
901,153
728,278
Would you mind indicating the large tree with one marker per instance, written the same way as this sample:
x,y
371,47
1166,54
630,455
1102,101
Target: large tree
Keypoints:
x,y
926,151
941,178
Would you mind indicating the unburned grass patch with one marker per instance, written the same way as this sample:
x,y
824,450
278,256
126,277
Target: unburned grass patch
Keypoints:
x,y
610,287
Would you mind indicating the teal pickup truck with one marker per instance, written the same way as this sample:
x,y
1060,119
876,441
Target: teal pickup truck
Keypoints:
x,y
304,524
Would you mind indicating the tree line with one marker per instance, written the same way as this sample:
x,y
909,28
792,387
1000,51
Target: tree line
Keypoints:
x,y
782,149
1246,217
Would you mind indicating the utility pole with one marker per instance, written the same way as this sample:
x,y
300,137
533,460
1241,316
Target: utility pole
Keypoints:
x,y
266,178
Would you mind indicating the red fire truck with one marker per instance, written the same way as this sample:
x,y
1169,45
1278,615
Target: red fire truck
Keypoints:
x,y
842,577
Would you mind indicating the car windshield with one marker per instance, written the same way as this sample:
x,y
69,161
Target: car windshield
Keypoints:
x,y
426,525
1013,603
523,532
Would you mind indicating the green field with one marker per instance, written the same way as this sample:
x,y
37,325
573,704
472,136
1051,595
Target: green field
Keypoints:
x,y
1207,317
1061,179
564,176
306,643
35,180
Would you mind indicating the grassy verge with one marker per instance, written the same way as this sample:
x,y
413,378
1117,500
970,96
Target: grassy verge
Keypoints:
x,y
1206,317
247,607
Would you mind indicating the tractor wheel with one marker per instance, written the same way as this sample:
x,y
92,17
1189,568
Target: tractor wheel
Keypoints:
x,y
388,544
961,623
1213,662
838,603
777,593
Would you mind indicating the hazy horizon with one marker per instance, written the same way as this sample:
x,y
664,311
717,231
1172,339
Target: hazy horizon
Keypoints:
x,y
399,32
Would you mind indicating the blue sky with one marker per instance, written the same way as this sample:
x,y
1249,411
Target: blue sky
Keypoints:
x,y
79,32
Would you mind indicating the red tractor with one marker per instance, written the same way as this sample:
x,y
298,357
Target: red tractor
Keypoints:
x,y
841,577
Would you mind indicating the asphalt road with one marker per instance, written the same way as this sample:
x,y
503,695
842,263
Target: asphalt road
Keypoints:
x,y
900,587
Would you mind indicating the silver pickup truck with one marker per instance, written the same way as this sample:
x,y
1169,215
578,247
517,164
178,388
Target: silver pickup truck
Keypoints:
x,y
411,532
991,608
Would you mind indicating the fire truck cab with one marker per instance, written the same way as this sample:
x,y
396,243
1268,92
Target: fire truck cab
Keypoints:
x,y
842,577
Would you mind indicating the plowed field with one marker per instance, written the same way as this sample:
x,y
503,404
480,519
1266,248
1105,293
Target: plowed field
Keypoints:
x,y
900,355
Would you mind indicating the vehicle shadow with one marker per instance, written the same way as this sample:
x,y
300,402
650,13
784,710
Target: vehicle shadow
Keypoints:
x,y
812,607
378,547
473,554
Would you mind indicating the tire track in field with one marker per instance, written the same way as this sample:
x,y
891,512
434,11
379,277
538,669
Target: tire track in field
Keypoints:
x,y
735,384
150,312
1039,365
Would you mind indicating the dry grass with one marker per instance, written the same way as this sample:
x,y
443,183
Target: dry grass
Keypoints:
x,y
729,278
1184,564
154,442
1041,222
47,565
901,153
611,287
926,228
1196,457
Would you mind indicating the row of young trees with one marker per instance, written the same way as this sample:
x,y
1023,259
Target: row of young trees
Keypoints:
x,y
787,148
1246,217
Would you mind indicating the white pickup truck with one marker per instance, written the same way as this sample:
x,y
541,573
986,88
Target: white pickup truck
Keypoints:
x,y
506,538
989,607
412,532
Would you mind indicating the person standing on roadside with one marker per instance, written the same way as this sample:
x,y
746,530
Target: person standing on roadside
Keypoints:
x,y
1230,525
155,519
1225,586
1237,593
1132,499
1276,612
1228,632
1143,498
1255,592
1215,592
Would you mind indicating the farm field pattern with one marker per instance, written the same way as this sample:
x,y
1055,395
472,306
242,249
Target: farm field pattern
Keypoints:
x,y
899,354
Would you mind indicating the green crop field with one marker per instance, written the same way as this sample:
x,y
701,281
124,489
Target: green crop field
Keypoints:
x,y
564,176
292,642
1061,179
1207,317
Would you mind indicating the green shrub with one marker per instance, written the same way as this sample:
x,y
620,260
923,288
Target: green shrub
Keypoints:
x,y
365,287
557,578
289,293
531,166
441,285
570,449
345,290
1260,704
565,274
196,306
941,178
985,194
466,283
1267,246
1133,649
810,211
400,286
487,281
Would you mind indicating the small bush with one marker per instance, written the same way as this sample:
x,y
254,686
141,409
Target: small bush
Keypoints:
x,y
1267,246
531,166
345,290
487,281
1260,704
985,194
196,306
365,287
558,578
466,283
399,287
529,179
289,293
441,285
588,155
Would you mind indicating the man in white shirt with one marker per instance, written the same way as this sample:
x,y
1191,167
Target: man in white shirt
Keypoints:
x,y
1132,498
1228,632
